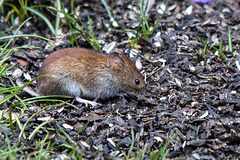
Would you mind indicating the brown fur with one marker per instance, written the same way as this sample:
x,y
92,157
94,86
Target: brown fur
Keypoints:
x,y
84,73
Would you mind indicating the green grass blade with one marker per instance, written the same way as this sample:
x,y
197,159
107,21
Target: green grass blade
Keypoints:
x,y
26,123
81,129
19,124
132,144
166,144
72,37
44,18
220,45
6,136
24,35
156,155
6,46
10,119
8,29
15,9
39,126
159,19
57,17
4,68
16,91
229,39
66,135
72,6
1,2
107,9
94,41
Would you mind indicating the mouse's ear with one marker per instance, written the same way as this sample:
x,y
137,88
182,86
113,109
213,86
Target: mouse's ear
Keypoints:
x,y
115,60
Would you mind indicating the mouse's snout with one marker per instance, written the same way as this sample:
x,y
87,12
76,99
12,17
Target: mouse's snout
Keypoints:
x,y
142,91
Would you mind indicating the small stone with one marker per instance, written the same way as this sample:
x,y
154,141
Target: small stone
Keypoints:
x,y
189,10
17,73
22,62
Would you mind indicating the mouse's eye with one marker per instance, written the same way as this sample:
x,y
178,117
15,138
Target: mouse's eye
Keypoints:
x,y
137,81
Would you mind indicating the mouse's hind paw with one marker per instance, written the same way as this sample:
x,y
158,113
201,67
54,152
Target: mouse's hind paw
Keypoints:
x,y
86,102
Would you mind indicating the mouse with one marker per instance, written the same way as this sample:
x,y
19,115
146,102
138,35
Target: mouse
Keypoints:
x,y
88,75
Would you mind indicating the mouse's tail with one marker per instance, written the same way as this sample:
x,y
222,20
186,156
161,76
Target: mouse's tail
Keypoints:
x,y
27,89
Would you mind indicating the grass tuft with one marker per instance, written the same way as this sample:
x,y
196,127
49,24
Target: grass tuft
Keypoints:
x,y
78,27
162,149
10,119
144,30
22,14
127,156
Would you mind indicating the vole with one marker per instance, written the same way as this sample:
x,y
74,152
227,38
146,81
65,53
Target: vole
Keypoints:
x,y
90,75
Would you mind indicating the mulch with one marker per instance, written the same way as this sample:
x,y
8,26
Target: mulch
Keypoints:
x,y
192,92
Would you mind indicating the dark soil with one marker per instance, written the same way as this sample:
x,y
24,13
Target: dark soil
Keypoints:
x,y
195,93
